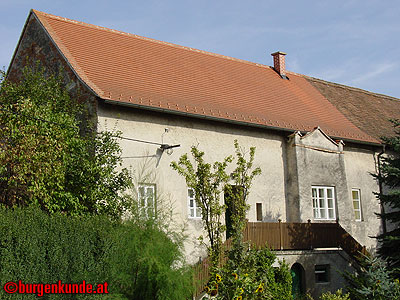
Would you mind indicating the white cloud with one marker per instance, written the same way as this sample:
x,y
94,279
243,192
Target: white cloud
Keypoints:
x,y
375,71
333,74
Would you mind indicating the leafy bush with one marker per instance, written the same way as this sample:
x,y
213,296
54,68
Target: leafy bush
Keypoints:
x,y
38,248
147,264
51,154
137,262
255,278
336,296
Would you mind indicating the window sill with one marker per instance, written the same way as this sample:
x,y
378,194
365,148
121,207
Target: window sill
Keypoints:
x,y
325,220
195,218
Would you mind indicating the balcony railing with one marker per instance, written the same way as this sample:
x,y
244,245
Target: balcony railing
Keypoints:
x,y
289,236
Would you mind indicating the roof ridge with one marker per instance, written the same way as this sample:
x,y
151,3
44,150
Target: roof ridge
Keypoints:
x,y
150,39
343,86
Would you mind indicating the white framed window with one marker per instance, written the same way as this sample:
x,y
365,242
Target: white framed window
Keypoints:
x,y
323,203
356,196
147,197
194,209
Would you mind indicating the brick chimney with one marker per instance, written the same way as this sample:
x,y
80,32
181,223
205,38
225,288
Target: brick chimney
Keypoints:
x,y
279,63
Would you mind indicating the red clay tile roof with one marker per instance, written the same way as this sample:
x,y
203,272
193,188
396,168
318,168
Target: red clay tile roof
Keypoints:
x,y
128,68
366,110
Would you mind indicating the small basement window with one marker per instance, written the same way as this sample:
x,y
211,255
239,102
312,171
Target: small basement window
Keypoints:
x,y
321,273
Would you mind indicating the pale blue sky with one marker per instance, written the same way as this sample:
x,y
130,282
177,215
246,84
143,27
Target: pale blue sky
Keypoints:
x,y
353,42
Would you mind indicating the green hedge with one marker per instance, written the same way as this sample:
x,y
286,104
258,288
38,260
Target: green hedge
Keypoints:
x,y
138,262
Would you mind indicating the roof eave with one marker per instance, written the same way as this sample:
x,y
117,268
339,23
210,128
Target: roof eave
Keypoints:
x,y
242,123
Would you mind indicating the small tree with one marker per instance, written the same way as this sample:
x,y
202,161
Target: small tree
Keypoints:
x,y
237,196
208,182
51,158
373,281
389,176
248,273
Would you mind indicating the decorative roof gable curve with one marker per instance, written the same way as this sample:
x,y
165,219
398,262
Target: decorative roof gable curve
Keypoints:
x,y
317,140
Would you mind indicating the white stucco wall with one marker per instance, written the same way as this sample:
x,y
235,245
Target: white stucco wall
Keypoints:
x,y
216,140
360,163
338,262
316,160
345,169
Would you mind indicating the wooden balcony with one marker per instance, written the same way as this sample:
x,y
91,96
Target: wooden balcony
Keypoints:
x,y
289,236
301,236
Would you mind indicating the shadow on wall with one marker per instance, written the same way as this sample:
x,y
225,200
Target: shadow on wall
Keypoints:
x,y
301,236
270,217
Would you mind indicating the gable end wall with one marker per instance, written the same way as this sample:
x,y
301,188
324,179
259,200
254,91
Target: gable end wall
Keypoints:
x,y
35,46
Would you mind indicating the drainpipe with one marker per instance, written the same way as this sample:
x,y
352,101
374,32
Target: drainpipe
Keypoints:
x,y
381,189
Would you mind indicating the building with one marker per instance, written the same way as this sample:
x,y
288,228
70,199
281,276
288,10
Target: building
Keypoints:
x,y
317,142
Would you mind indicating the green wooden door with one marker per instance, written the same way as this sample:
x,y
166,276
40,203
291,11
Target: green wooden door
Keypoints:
x,y
296,272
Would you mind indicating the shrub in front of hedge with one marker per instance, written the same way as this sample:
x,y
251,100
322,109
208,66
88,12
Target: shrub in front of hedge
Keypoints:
x,y
137,262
